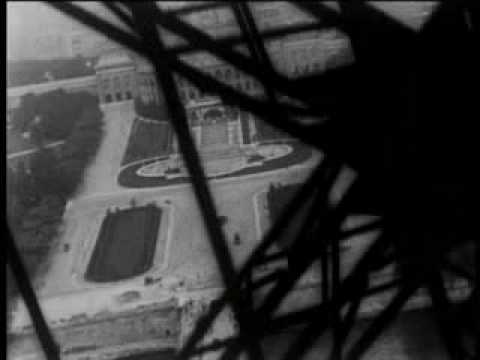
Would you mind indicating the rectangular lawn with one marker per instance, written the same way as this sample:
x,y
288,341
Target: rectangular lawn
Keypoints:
x,y
147,140
125,245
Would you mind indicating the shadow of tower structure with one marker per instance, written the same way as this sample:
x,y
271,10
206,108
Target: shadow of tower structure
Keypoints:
x,y
402,116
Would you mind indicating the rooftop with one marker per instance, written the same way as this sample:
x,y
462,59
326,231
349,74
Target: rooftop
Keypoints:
x,y
114,59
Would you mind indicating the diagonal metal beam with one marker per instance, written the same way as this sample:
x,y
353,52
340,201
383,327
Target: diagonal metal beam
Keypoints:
x,y
47,340
476,297
257,51
383,320
199,79
207,5
348,321
350,289
447,325
362,13
336,308
245,63
313,136
257,255
319,140
303,248
234,40
120,13
145,24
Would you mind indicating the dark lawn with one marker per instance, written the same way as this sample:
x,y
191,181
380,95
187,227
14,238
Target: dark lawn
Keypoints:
x,y
126,244
278,198
147,140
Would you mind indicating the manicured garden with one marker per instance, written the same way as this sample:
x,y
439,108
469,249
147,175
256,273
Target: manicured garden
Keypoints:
x,y
128,176
125,245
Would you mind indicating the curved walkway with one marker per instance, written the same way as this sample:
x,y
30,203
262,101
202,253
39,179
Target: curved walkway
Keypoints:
x,y
128,175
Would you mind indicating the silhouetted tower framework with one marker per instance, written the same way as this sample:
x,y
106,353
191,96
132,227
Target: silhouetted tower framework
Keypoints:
x,y
400,116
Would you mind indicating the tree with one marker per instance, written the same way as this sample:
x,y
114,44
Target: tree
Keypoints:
x,y
79,150
37,198
24,114
44,171
72,173
21,192
57,110
13,203
74,118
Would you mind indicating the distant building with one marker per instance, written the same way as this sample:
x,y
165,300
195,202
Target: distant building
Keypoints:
x,y
88,43
120,76
115,78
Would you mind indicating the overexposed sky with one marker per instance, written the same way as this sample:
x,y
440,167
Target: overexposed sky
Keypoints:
x,y
25,18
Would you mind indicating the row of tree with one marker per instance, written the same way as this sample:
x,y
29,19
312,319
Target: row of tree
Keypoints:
x,y
39,186
58,171
27,72
51,116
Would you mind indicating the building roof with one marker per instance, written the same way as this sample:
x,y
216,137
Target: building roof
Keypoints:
x,y
114,60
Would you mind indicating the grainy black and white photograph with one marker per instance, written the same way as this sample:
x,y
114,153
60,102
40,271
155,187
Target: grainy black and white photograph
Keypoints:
x,y
214,180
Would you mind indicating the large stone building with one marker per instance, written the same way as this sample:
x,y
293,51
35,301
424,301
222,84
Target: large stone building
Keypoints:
x,y
115,78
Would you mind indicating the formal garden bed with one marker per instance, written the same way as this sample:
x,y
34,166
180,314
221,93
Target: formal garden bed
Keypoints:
x,y
129,177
